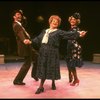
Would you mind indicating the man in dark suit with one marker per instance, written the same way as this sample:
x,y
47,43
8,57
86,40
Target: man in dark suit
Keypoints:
x,y
24,49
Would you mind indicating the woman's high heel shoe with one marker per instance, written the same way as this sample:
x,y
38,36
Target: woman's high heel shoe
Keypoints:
x,y
39,90
75,82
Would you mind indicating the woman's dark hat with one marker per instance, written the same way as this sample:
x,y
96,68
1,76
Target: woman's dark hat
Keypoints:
x,y
76,15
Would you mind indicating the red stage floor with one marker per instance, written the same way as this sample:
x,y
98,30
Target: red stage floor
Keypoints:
x,y
89,86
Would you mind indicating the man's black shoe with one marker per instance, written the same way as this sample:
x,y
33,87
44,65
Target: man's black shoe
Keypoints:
x,y
18,83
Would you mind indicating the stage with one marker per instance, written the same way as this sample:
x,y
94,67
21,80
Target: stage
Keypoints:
x,y
89,87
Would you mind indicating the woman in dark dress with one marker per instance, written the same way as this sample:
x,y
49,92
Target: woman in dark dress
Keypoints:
x,y
74,56
48,60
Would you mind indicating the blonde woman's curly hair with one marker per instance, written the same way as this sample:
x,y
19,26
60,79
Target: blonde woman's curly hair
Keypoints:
x,y
55,17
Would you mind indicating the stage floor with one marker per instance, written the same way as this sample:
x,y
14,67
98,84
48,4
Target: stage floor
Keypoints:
x,y
89,87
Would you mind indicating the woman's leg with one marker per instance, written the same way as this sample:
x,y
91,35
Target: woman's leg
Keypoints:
x,y
41,88
53,85
76,80
70,75
42,83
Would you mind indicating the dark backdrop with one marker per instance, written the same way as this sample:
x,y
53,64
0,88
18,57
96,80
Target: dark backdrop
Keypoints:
x,y
90,20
